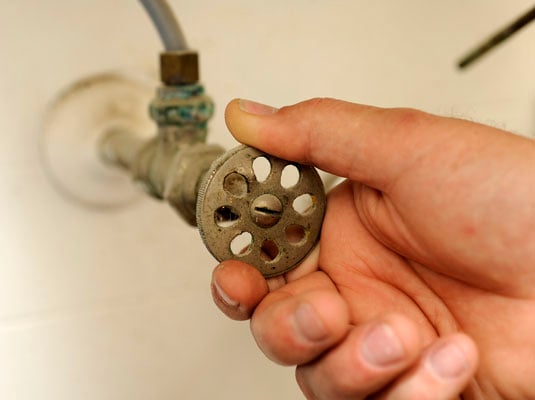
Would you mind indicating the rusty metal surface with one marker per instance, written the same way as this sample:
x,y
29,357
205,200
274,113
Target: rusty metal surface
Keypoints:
x,y
184,176
232,201
182,114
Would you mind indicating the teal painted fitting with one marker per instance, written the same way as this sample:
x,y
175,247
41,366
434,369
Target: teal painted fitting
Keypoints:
x,y
184,106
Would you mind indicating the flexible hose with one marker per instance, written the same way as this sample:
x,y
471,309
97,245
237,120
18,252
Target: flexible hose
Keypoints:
x,y
165,22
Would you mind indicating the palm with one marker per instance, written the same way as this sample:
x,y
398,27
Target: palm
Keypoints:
x,y
378,267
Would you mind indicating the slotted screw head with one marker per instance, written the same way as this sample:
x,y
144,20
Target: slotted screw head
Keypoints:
x,y
266,210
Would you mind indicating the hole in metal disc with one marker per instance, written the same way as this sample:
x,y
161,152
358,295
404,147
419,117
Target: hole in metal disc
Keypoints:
x,y
290,176
241,244
269,250
295,234
304,204
226,216
261,168
236,184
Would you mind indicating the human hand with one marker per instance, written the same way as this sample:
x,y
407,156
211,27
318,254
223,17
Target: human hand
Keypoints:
x,y
426,258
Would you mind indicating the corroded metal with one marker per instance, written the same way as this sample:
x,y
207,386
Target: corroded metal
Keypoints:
x,y
120,147
185,174
266,210
182,114
220,193
184,108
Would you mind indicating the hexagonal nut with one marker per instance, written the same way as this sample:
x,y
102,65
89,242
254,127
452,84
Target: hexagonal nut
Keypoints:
x,y
179,67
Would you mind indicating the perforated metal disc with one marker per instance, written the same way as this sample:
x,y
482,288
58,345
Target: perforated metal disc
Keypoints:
x,y
268,218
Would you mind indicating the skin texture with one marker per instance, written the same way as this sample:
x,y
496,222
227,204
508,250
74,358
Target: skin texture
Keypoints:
x,y
423,285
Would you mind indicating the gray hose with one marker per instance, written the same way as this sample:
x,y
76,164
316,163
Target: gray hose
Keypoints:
x,y
165,22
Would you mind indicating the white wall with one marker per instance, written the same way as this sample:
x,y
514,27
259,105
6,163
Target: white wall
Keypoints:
x,y
116,305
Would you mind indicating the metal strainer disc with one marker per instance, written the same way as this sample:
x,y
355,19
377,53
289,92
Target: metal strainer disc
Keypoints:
x,y
260,217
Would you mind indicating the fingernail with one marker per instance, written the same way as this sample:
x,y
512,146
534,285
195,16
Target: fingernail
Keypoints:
x,y
448,361
308,324
381,346
222,296
255,108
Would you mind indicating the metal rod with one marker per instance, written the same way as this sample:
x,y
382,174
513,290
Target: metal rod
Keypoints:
x,y
120,147
497,38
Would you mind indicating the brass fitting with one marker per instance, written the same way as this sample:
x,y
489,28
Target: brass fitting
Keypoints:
x,y
179,67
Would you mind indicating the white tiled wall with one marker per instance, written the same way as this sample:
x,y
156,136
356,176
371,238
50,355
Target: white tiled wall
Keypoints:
x,y
116,305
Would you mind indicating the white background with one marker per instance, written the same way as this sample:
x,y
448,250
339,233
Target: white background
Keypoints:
x,y
116,305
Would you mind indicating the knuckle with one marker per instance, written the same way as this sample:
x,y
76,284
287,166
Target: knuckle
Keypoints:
x,y
311,108
408,119
278,337
320,106
317,102
306,118
274,343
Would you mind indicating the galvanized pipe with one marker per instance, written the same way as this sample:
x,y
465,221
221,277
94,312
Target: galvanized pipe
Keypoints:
x,y
120,147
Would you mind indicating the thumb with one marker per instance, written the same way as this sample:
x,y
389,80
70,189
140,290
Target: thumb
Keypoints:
x,y
367,144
